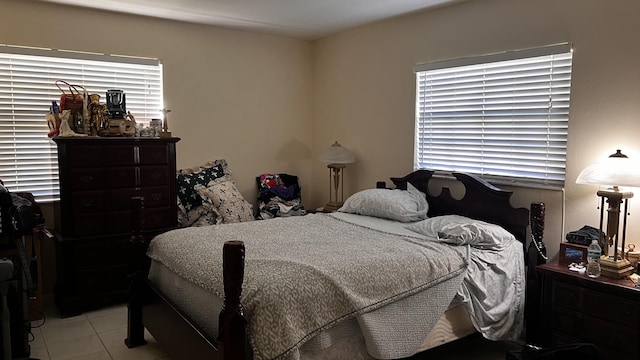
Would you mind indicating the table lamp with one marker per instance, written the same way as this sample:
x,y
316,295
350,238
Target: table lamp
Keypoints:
x,y
615,171
337,156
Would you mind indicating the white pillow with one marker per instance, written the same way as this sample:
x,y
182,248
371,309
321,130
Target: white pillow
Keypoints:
x,y
460,230
402,205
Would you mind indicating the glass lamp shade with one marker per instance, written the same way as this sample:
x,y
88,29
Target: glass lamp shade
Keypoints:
x,y
337,154
616,170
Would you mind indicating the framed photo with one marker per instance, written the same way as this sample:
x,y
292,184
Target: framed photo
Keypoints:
x,y
572,253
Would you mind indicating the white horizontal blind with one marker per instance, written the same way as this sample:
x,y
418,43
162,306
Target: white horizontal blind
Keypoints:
x,y
28,159
503,116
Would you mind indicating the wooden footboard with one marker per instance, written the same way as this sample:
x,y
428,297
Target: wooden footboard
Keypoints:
x,y
178,335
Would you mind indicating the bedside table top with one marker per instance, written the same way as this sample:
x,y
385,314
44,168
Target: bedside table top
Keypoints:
x,y
561,271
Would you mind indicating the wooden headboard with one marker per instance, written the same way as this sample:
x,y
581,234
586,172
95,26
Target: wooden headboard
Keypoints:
x,y
481,201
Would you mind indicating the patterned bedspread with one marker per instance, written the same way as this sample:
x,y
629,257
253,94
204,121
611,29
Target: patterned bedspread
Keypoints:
x,y
308,273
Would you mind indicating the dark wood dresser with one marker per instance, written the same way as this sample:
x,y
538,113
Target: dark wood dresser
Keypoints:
x,y
93,219
602,311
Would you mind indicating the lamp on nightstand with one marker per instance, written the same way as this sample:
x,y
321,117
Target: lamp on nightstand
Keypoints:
x,y
337,156
615,171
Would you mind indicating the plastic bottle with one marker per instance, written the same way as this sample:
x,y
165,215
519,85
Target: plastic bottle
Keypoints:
x,y
593,259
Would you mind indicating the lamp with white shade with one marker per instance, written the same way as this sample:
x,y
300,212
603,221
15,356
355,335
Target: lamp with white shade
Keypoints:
x,y
337,157
615,172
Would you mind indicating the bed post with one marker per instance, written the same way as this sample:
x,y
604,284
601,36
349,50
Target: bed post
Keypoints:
x,y
232,323
536,255
135,328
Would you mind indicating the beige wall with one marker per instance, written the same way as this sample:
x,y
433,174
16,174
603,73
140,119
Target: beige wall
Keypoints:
x,y
364,88
269,103
241,96
236,95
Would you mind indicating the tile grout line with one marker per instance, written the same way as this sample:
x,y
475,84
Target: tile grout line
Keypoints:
x,y
95,331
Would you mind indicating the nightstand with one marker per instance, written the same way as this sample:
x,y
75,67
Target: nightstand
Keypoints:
x,y
602,311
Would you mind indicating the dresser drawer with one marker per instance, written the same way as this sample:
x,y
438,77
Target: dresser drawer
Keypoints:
x,y
96,254
567,321
611,308
115,278
608,334
121,222
154,175
85,156
90,224
597,304
560,338
119,155
156,196
159,218
103,223
120,199
154,154
88,178
121,177
89,201
568,296
575,325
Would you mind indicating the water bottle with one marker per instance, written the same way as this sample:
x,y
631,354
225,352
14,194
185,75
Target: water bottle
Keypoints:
x,y
593,259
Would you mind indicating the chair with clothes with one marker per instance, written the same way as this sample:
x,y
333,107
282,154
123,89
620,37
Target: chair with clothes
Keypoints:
x,y
279,195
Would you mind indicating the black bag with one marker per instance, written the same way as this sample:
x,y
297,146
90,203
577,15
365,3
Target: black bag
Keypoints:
x,y
19,213
585,235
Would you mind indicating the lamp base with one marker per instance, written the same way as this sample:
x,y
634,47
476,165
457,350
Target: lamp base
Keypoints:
x,y
332,206
615,269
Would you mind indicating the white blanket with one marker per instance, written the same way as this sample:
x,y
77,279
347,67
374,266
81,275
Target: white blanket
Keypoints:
x,y
296,285
389,323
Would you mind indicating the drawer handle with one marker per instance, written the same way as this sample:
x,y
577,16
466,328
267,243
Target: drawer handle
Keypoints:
x,y
156,196
156,176
86,179
87,202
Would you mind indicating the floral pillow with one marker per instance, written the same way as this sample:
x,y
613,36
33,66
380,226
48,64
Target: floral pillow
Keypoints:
x,y
199,216
225,198
190,209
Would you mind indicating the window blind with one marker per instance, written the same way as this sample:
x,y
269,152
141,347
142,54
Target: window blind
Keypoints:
x,y
504,116
28,159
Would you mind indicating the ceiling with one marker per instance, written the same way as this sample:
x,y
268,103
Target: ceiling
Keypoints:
x,y
304,19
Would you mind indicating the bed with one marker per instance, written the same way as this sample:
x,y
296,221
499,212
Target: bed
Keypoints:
x,y
394,291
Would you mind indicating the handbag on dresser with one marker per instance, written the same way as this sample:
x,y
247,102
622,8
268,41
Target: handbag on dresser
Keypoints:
x,y
73,99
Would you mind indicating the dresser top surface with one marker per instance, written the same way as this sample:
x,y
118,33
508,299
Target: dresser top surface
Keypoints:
x,y
562,271
114,139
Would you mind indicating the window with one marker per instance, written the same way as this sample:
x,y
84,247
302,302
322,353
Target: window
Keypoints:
x,y
28,159
504,116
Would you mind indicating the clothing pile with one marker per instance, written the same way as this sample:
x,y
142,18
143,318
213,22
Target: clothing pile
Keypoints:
x,y
279,196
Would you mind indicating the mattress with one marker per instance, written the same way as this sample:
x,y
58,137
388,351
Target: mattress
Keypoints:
x,y
344,341
355,337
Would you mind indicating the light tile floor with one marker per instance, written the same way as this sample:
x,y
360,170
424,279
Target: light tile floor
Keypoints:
x,y
100,334
94,335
